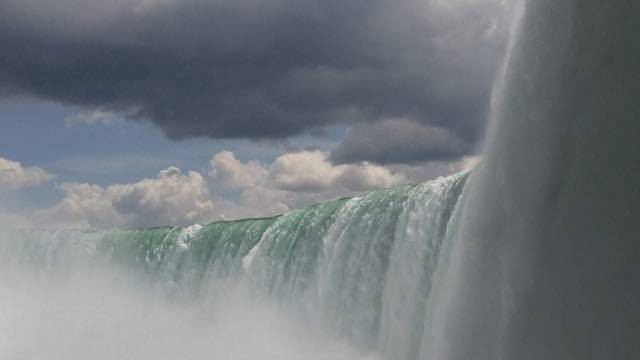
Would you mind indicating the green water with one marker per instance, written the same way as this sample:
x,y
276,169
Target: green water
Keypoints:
x,y
362,267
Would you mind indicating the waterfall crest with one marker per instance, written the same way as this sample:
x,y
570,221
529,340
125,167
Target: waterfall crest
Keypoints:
x,y
358,269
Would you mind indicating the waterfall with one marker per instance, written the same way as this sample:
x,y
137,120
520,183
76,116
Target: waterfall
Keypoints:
x,y
355,272
536,255
547,258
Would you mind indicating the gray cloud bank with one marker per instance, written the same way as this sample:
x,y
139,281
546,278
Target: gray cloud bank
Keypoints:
x,y
398,141
261,69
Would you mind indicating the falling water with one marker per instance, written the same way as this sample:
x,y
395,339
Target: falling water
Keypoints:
x,y
345,279
547,260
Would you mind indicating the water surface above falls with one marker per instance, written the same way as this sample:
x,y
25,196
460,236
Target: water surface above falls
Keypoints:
x,y
344,279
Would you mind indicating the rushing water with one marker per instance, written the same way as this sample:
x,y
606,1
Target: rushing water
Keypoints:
x,y
344,279
547,261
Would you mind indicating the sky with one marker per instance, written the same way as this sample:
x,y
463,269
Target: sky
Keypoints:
x,y
135,113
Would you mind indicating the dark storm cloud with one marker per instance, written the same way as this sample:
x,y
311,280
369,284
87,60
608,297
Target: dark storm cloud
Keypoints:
x,y
258,69
399,141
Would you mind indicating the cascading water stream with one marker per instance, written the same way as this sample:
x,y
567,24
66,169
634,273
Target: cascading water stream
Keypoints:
x,y
546,261
344,279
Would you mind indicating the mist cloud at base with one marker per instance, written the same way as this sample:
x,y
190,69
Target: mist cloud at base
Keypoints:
x,y
103,313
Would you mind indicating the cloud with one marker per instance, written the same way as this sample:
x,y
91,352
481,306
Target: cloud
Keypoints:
x,y
170,198
227,171
13,176
366,176
294,179
299,172
233,189
399,141
303,172
311,171
97,116
306,172
259,69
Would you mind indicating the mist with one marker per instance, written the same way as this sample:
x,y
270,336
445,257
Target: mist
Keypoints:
x,y
101,313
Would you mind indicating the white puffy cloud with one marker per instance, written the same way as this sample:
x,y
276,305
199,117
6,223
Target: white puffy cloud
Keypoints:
x,y
311,171
366,176
232,189
227,171
84,205
303,171
171,198
261,201
292,180
299,172
13,176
